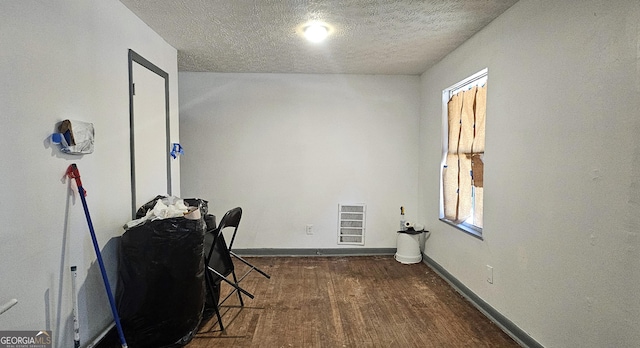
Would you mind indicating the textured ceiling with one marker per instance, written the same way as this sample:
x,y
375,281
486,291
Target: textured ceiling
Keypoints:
x,y
368,36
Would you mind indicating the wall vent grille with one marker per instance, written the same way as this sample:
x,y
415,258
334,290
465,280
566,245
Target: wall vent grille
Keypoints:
x,y
351,224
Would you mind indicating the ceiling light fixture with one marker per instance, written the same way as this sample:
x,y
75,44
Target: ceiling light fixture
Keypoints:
x,y
316,32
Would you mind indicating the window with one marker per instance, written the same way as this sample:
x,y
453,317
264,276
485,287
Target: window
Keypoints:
x,y
463,122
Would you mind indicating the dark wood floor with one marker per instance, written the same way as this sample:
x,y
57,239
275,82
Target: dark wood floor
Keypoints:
x,y
349,302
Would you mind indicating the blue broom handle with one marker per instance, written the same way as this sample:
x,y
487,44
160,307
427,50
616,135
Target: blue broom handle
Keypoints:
x,y
112,302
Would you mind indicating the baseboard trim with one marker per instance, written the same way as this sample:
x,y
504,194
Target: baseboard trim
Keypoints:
x,y
316,252
511,329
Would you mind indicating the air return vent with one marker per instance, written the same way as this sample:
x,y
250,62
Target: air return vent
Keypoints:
x,y
351,223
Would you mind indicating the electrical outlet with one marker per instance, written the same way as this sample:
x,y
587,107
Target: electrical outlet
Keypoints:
x,y
309,229
489,274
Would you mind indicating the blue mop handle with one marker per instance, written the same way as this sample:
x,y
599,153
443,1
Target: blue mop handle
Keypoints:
x,y
74,173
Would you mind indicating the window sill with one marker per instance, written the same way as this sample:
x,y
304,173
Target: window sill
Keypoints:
x,y
465,227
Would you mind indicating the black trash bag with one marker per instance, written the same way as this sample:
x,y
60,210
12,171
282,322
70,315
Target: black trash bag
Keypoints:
x,y
161,286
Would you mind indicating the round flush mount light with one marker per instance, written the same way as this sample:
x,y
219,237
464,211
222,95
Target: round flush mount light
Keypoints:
x,y
316,32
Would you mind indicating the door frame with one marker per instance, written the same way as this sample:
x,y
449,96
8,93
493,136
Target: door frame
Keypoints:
x,y
135,57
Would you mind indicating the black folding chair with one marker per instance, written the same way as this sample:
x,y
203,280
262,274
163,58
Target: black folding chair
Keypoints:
x,y
237,212
219,266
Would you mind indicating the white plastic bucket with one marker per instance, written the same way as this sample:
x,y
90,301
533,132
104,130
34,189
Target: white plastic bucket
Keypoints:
x,y
408,248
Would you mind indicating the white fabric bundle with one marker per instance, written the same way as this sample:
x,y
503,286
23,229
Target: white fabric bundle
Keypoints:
x,y
166,208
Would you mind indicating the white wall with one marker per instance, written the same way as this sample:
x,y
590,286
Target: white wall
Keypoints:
x,y
66,59
562,174
289,148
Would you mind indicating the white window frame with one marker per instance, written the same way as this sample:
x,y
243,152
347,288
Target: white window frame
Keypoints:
x,y
478,79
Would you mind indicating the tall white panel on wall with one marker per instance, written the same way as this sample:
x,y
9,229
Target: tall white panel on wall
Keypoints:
x,y
351,224
149,122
